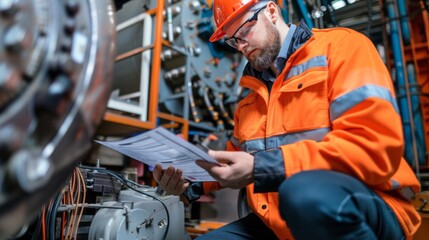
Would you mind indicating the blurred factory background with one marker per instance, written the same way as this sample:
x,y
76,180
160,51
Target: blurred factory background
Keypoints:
x,y
72,71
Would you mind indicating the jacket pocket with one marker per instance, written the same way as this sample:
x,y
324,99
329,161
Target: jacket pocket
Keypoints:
x,y
305,102
251,116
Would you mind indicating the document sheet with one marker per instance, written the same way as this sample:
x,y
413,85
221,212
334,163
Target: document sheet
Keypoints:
x,y
160,146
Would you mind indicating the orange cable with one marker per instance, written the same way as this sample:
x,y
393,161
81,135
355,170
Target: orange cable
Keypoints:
x,y
76,206
71,201
43,223
83,200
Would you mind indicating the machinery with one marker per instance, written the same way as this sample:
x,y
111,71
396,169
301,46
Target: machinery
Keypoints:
x,y
96,203
56,60
138,216
198,80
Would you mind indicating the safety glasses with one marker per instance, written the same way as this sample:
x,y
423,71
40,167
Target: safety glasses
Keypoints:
x,y
241,33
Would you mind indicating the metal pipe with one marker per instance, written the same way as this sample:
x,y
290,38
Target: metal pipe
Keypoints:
x,y
170,25
305,14
405,28
209,105
417,115
224,112
145,67
404,103
194,110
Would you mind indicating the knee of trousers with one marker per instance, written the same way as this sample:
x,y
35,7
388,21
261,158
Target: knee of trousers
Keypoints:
x,y
306,194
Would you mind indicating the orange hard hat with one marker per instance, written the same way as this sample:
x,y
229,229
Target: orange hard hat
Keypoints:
x,y
226,10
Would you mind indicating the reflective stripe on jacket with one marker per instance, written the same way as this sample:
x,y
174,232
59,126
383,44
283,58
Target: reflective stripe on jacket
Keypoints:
x,y
333,107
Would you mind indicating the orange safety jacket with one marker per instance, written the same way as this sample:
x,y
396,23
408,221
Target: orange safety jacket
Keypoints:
x,y
332,107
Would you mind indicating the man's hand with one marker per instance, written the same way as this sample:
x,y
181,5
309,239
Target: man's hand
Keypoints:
x,y
170,180
235,169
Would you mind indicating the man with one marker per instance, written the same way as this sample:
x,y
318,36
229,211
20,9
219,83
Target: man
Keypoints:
x,y
317,143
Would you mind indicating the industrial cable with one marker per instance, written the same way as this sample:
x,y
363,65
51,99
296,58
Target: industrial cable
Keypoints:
x,y
48,216
127,183
209,105
80,202
213,112
73,226
71,201
194,111
53,213
82,180
224,112
42,220
136,184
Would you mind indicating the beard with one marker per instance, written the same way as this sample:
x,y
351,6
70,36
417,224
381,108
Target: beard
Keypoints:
x,y
270,51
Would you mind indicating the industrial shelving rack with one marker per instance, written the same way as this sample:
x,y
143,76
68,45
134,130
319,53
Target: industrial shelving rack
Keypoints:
x,y
119,124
